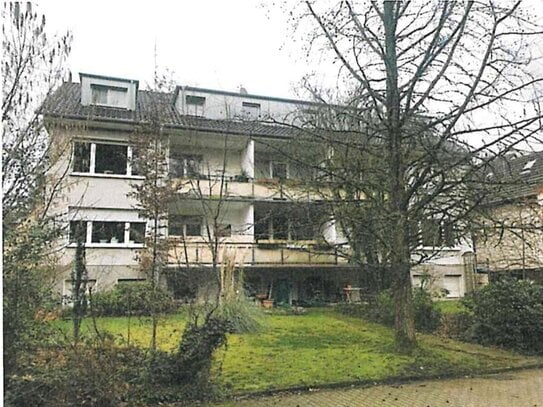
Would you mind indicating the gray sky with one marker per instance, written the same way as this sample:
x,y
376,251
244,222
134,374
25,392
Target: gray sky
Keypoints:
x,y
219,44
208,43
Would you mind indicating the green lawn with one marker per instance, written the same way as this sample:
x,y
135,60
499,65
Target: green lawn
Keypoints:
x,y
322,347
450,306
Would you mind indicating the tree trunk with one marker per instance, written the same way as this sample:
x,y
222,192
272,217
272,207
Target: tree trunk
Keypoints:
x,y
397,204
403,306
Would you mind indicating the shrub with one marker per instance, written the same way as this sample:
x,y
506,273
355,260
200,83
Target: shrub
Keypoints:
x,y
455,325
187,372
381,310
508,313
93,374
427,314
137,299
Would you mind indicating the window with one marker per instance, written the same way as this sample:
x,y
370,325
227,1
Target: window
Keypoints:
x,y
103,158
131,280
179,225
183,165
250,110
108,232
81,159
111,159
279,170
195,105
78,231
137,232
113,96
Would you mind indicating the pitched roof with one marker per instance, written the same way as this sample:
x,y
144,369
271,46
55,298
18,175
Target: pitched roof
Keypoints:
x,y
65,103
516,177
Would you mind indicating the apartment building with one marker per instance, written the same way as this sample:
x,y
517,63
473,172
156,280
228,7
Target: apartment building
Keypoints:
x,y
512,243
224,148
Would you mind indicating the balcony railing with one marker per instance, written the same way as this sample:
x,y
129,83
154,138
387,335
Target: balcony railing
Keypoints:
x,y
255,254
240,187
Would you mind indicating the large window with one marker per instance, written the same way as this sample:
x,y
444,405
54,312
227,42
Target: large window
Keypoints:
x,y
107,232
103,158
185,165
285,225
111,159
195,105
179,225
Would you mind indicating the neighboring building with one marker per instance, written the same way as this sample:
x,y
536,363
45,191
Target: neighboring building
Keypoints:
x,y
270,227
512,241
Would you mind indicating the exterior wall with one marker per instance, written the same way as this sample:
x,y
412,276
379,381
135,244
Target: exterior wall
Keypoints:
x,y
446,274
105,197
213,159
94,197
130,85
227,106
519,246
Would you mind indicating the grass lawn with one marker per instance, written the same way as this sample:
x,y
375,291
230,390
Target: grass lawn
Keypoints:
x,y
322,347
451,306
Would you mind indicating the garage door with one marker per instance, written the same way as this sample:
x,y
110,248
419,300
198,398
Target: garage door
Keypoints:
x,y
452,283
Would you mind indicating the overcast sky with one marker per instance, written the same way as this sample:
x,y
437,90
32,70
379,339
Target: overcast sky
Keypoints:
x,y
219,44
207,43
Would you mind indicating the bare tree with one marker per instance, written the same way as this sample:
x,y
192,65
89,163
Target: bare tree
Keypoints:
x,y
32,65
430,93
154,192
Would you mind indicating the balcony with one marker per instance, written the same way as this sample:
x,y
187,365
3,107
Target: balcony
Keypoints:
x,y
239,187
268,254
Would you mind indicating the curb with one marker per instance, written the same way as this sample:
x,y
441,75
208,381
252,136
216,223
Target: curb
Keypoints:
x,y
371,383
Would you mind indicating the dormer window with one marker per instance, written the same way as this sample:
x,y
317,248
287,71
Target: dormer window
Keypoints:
x,y
101,90
113,96
195,105
250,111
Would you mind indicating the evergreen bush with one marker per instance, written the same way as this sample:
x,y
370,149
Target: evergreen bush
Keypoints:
x,y
508,313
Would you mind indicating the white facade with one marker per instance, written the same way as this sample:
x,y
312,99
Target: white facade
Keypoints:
x,y
100,181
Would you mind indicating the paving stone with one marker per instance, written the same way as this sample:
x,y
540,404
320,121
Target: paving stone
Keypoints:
x,y
518,389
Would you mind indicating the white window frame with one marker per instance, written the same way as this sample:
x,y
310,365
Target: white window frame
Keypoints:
x,y
109,95
92,164
89,243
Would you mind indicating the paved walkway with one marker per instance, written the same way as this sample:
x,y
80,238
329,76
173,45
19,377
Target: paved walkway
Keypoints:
x,y
515,389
